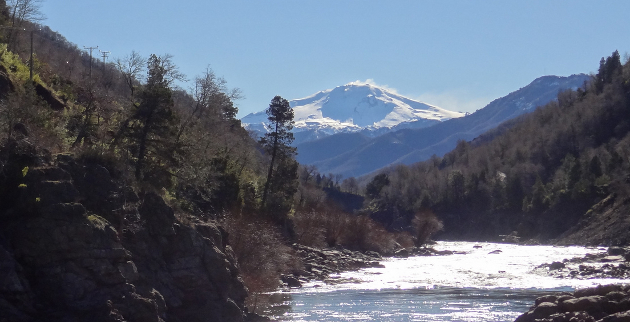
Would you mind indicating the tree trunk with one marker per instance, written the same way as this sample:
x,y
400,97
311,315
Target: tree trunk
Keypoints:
x,y
270,172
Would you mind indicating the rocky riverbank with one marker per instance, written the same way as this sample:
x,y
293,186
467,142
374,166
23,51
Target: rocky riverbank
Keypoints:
x,y
323,264
320,264
606,263
609,303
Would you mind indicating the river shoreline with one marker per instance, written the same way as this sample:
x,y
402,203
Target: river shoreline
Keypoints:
x,y
331,273
319,264
607,303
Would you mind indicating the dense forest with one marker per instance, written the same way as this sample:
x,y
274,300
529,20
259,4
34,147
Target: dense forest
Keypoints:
x,y
532,178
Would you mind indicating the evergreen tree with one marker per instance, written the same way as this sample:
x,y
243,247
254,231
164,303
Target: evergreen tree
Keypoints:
x,y
374,187
282,175
151,129
608,69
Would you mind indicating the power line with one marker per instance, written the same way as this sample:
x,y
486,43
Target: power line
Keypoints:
x,y
104,54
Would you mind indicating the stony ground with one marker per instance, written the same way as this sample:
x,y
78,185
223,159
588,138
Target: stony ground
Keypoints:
x,y
609,303
324,264
610,263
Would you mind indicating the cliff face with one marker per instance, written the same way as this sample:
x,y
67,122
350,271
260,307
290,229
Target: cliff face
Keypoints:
x,y
77,245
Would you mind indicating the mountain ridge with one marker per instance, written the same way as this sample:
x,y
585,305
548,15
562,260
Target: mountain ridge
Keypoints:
x,y
413,145
354,107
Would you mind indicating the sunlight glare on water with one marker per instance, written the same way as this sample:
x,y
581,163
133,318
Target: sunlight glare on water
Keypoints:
x,y
493,282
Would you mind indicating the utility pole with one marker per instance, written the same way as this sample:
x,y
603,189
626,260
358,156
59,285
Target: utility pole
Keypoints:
x,y
31,67
104,54
90,49
31,61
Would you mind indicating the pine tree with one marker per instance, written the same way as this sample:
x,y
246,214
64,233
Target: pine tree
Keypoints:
x,y
151,129
282,175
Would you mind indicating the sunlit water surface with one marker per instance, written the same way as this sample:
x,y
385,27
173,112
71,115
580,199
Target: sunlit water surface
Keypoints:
x,y
476,286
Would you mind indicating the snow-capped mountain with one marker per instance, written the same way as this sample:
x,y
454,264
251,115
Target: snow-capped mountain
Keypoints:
x,y
355,154
354,107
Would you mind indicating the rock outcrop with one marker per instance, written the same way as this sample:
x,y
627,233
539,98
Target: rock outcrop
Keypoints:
x,y
319,264
79,245
611,263
608,303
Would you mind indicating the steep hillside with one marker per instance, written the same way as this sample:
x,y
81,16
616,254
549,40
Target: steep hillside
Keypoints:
x,y
559,172
412,145
78,245
606,223
111,185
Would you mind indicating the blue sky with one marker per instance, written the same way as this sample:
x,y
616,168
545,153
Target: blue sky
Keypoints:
x,y
459,55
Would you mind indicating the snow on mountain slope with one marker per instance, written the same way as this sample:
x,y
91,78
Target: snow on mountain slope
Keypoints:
x,y
355,107
357,156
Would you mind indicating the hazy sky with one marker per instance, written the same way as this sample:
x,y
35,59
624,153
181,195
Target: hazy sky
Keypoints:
x,y
459,55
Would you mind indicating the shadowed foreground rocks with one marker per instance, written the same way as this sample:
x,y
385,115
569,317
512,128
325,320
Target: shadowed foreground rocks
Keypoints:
x,y
77,245
608,303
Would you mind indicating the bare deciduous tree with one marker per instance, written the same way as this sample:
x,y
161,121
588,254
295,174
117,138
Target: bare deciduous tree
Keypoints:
x,y
20,11
131,67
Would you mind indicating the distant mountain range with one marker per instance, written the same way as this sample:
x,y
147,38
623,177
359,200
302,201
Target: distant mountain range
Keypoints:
x,y
356,129
354,107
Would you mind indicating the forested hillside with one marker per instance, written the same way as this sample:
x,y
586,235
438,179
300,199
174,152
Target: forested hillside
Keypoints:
x,y
407,143
126,197
535,177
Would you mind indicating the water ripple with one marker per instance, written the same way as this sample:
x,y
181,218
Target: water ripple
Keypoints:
x,y
476,286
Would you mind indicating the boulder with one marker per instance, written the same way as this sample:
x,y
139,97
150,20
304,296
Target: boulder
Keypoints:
x,y
544,309
598,290
609,259
617,317
557,265
158,215
588,304
546,298
291,281
402,253
616,251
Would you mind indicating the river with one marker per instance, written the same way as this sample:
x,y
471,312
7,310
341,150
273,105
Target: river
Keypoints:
x,y
487,282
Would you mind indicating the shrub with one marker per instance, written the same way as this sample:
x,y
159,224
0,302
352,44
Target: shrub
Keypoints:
x,y
332,227
309,229
424,225
261,253
104,158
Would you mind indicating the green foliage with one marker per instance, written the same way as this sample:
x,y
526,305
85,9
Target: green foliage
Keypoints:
x,y
282,174
150,131
14,64
98,221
